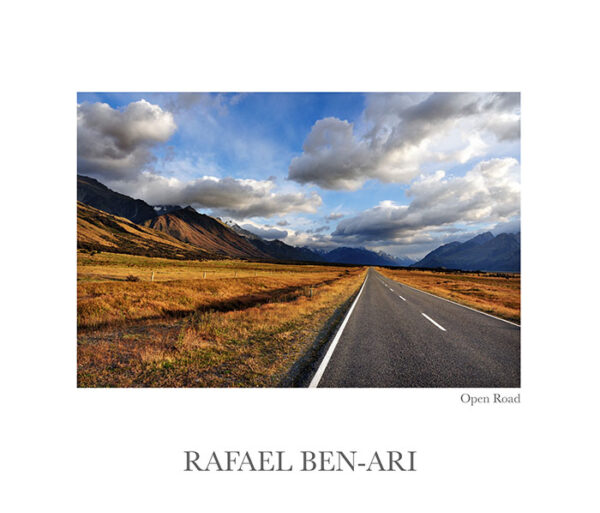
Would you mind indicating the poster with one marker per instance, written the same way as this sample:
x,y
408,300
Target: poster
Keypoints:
x,y
70,447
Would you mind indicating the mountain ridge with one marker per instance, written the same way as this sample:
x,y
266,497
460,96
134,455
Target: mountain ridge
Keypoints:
x,y
95,194
212,236
206,232
484,252
100,231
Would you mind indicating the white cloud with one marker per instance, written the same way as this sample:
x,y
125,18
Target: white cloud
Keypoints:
x,y
233,197
399,133
265,231
333,158
488,193
314,240
116,144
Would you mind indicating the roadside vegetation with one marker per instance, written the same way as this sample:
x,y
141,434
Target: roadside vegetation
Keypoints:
x,y
202,323
494,293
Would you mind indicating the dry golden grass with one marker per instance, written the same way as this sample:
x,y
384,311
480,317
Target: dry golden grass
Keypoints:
x,y
489,292
248,344
105,267
179,288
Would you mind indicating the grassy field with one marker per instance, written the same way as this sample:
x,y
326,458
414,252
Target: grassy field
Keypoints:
x,y
105,267
494,293
218,323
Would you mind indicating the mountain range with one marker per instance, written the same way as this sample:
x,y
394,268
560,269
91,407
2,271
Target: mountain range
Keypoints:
x,y
363,256
110,221
485,252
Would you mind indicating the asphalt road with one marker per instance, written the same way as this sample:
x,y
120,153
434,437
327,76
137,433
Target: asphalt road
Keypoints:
x,y
397,336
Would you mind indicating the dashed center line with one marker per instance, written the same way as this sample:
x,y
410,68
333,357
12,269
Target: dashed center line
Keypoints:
x,y
432,321
392,290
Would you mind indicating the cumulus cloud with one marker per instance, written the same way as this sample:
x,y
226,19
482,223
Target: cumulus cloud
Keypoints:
x,y
333,158
399,133
334,216
266,232
310,239
488,193
283,222
116,144
232,197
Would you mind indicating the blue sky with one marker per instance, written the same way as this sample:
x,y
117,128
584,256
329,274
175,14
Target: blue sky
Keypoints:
x,y
397,172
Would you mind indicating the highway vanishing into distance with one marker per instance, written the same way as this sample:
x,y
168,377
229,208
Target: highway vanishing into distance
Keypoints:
x,y
397,336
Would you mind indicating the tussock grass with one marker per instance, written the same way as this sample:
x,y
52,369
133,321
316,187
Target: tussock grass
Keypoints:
x,y
116,304
251,345
107,267
494,293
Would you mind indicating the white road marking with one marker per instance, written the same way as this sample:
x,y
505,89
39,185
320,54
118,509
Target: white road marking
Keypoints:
x,y
392,290
432,321
319,374
455,303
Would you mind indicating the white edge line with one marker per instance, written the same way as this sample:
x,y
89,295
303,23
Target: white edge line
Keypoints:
x,y
319,374
431,320
455,303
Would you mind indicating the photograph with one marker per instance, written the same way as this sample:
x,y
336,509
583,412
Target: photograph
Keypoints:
x,y
298,239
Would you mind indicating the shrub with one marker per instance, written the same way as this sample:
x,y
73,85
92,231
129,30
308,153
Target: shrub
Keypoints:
x,y
131,277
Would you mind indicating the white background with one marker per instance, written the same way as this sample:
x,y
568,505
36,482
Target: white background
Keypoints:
x,y
67,450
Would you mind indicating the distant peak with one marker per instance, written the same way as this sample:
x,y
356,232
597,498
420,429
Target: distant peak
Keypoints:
x,y
483,237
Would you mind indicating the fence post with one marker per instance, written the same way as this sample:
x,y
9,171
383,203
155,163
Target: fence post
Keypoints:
x,y
152,279
204,275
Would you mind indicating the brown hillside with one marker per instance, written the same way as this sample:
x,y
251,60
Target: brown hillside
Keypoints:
x,y
105,232
205,232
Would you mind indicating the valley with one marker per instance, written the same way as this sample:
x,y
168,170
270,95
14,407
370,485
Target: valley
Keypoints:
x,y
170,297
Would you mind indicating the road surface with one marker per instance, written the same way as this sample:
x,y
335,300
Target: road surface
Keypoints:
x,y
396,336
